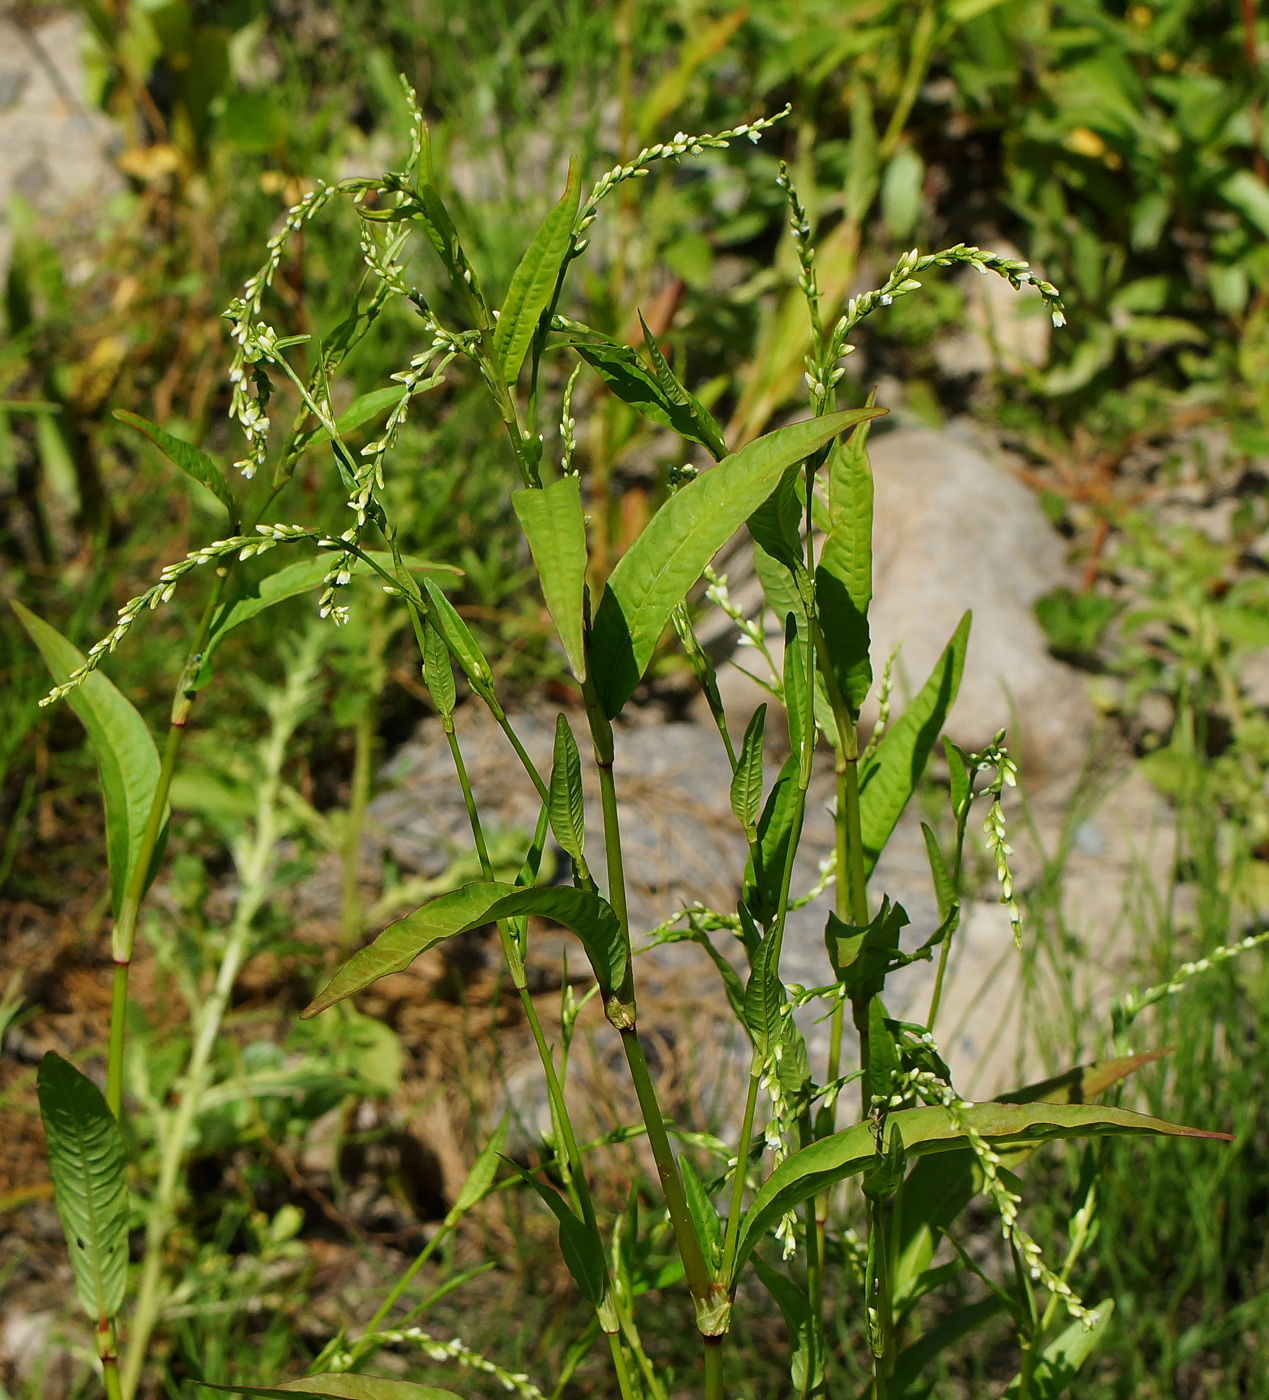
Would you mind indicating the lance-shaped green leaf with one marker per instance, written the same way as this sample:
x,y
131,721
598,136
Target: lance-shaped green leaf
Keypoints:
x,y
746,782
913,1363
776,524
1061,1360
565,804
765,996
934,1129
708,433
89,1168
552,521
680,540
295,579
533,283
193,461
944,889
843,580
775,831
936,1192
339,1385
704,1216
583,1253
361,410
438,671
890,776
472,906
127,761
883,1053
624,373
478,1182
798,713
806,1358
444,617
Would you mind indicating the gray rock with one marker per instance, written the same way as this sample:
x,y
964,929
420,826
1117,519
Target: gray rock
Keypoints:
x,y
54,152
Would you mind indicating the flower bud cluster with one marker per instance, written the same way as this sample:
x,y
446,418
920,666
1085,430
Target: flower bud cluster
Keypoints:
x,y
934,1091
902,280
681,145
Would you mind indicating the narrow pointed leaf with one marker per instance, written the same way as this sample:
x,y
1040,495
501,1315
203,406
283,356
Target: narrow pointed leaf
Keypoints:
x,y
458,638
1061,1360
913,1362
193,461
935,1193
708,433
565,803
127,760
746,782
657,570
339,1385
588,915
438,671
843,580
553,524
765,996
944,890
90,1183
533,283
290,582
625,375
775,831
704,1215
805,1354
582,1251
478,1181
890,776
933,1129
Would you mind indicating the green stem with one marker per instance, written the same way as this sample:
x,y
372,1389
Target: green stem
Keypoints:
x,y
109,1360
124,934
713,1368
619,1365
350,902
704,1290
366,1340
175,1131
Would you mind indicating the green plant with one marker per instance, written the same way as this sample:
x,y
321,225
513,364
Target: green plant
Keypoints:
x,y
920,1152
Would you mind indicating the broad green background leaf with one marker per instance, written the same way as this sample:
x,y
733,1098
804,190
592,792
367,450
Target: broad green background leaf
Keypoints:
x,y
127,760
1061,1359
552,521
533,283
89,1168
681,538
193,461
473,906
889,778
925,1130
565,801
290,582
843,580
340,1385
